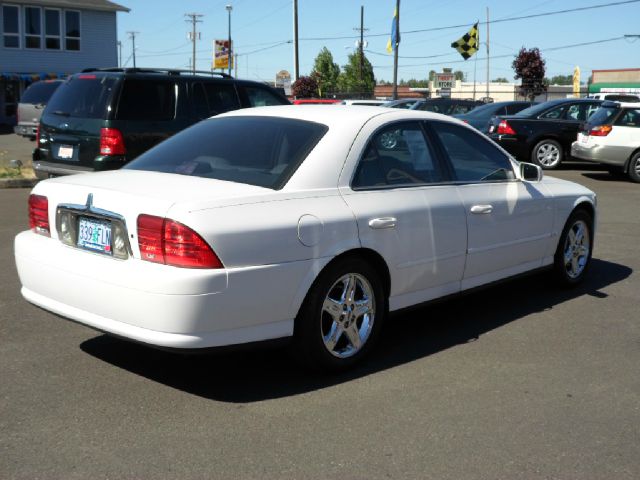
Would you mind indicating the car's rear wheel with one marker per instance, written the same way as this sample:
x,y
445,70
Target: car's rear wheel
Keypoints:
x,y
548,154
634,168
341,316
575,247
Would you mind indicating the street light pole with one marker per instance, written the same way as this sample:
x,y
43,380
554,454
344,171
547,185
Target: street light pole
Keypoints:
x,y
229,8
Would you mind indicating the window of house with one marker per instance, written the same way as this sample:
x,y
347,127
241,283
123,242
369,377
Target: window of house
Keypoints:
x,y
10,26
72,30
32,27
52,29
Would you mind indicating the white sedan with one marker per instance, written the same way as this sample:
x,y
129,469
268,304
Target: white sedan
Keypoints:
x,y
303,222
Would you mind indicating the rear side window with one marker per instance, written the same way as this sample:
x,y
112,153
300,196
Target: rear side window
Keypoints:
x,y
84,96
261,97
554,113
218,149
221,98
473,158
39,92
147,99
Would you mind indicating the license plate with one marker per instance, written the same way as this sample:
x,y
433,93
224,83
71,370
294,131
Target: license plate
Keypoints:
x,y
584,138
94,235
65,151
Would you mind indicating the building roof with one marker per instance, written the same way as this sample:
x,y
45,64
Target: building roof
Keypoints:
x,y
102,5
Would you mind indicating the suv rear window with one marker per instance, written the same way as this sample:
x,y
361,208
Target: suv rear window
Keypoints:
x,y
218,149
39,92
147,99
85,96
603,115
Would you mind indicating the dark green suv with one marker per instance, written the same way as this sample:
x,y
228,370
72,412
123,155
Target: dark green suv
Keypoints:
x,y
101,119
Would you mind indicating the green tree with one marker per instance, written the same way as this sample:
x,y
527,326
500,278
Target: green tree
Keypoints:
x,y
500,80
349,80
326,72
432,75
561,80
459,75
530,67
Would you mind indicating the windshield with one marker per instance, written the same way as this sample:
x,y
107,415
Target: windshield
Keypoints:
x,y
84,96
261,151
39,92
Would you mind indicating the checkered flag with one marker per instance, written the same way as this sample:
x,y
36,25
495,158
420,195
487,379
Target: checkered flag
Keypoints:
x,y
468,44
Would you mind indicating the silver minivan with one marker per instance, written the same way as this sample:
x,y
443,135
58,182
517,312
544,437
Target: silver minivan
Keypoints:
x,y
31,105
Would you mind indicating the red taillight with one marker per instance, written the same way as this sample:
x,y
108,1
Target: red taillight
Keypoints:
x,y
505,129
39,214
166,241
600,131
111,142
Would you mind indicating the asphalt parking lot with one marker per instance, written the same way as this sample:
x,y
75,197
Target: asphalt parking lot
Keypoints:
x,y
519,381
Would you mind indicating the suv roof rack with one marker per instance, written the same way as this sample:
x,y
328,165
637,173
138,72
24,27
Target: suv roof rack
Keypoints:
x,y
168,71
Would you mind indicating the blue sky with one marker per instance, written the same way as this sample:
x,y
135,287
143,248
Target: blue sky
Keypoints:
x,y
260,29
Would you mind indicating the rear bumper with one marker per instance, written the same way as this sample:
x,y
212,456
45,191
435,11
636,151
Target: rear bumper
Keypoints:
x,y
156,304
514,145
25,130
47,169
607,155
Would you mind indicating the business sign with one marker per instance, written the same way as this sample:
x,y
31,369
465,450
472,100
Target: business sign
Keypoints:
x,y
221,54
283,80
445,80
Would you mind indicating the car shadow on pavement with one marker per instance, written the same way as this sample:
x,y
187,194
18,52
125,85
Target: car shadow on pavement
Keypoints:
x,y
261,374
607,177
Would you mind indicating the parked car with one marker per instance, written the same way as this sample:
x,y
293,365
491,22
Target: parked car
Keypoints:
x,y
446,106
480,117
31,104
612,137
316,101
371,103
401,103
543,134
616,97
103,118
310,230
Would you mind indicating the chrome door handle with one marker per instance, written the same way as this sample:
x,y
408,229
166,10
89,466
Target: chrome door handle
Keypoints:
x,y
480,209
382,222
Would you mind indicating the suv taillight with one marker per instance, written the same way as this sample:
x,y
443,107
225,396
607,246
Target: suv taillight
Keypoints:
x,y
162,240
505,129
600,131
39,214
111,142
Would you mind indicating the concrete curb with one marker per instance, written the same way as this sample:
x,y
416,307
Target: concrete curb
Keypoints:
x,y
18,182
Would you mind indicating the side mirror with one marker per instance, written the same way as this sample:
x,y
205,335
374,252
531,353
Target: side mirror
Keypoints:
x,y
530,172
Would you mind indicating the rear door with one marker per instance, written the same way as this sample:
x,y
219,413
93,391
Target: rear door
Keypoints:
x,y
71,122
573,116
150,110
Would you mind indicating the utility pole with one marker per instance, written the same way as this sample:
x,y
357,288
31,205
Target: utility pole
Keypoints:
x,y
119,53
295,41
488,77
132,37
395,52
195,18
361,45
229,8
235,65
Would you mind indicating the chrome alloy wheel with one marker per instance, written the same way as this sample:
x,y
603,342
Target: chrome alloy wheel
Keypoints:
x,y
636,167
577,247
348,313
548,155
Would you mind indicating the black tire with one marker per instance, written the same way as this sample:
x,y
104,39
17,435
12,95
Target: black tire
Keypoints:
x,y
634,168
548,154
571,261
314,324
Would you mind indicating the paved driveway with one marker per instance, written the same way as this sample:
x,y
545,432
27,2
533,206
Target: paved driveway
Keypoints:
x,y
519,381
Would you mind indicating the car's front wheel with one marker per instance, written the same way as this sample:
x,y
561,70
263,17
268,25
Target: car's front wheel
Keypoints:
x,y
634,168
575,247
548,154
341,316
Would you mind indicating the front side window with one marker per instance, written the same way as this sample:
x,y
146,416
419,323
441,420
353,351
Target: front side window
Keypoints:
x,y
147,100
473,158
52,29
261,97
72,30
10,26
218,149
32,27
397,155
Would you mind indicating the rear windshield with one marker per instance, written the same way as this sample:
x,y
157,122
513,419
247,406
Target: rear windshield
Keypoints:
x,y
39,92
603,115
261,151
84,96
